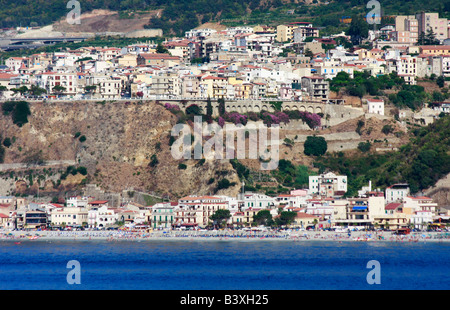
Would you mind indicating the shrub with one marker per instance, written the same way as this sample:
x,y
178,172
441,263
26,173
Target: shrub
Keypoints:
x,y
19,111
364,146
387,129
235,117
172,107
316,146
7,142
224,184
182,166
275,118
82,139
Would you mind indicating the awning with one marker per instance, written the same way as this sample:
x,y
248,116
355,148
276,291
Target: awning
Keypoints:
x,y
359,208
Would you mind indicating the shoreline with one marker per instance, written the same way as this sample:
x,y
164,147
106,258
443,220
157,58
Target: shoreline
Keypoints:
x,y
297,236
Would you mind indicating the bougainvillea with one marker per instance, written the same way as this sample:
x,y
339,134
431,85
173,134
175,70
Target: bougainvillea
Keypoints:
x,y
236,118
172,107
313,120
274,118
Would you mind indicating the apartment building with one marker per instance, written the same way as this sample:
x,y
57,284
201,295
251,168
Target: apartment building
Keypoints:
x,y
110,88
303,31
396,193
406,67
316,87
196,210
296,32
406,29
328,185
48,81
166,84
431,21
163,216
69,216
190,86
360,211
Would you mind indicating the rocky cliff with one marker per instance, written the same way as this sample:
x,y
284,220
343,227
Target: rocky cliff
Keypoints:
x,y
122,145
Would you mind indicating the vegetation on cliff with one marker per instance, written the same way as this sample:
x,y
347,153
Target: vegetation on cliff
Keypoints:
x,y
420,163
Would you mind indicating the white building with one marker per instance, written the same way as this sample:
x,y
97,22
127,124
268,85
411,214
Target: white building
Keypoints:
x,y
256,200
396,193
375,106
328,184
102,217
77,202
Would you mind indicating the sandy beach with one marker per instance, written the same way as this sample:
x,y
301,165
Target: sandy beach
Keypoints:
x,y
355,236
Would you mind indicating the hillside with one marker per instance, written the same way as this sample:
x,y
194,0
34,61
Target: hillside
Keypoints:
x,y
181,15
121,142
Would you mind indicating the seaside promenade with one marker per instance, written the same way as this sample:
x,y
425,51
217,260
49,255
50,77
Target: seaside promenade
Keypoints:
x,y
223,235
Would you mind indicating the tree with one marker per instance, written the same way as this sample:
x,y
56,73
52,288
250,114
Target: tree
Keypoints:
x,y
20,113
316,146
22,90
358,30
220,216
59,90
209,110
2,90
160,49
285,218
263,217
430,37
309,53
440,81
221,103
364,146
37,91
194,109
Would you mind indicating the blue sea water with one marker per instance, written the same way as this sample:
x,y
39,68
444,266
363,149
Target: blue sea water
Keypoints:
x,y
224,265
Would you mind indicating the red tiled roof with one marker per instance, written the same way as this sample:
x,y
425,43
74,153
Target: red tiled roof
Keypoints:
x,y
98,202
392,206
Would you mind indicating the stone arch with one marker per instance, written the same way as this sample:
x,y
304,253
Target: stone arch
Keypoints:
x,y
265,108
318,110
287,108
295,107
256,108
302,108
310,109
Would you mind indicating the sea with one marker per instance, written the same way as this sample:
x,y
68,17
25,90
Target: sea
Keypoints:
x,y
224,265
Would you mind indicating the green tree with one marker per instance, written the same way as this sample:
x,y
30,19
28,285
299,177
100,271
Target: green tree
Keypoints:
x,y
358,30
440,81
37,91
21,113
220,217
364,146
194,109
59,90
2,90
209,110
316,146
160,49
221,103
285,218
263,217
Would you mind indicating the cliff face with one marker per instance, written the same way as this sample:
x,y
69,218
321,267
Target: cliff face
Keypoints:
x,y
121,139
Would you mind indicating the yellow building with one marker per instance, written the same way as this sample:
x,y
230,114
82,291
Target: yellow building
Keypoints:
x,y
70,216
127,60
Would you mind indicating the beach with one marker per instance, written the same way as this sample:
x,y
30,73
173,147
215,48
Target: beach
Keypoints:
x,y
222,235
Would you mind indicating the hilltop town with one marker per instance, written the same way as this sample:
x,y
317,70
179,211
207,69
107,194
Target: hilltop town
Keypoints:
x,y
288,69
